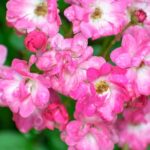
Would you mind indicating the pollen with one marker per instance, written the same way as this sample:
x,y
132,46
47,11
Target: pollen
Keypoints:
x,y
97,14
41,9
102,87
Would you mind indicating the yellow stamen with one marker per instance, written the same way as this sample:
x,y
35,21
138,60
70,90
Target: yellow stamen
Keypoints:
x,y
97,14
102,87
41,9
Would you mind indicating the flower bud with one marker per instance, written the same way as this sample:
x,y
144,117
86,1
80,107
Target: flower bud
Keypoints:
x,y
36,40
140,15
57,113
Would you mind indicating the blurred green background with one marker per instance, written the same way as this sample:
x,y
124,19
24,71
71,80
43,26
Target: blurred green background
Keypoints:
x,y
10,137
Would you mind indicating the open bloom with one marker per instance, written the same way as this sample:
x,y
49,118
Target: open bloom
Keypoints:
x,y
28,96
66,63
21,90
27,16
107,94
64,53
53,115
96,18
134,55
80,136
133,129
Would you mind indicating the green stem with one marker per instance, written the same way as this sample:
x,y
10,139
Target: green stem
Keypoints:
x,y
125,147
108,48
117,38
105,45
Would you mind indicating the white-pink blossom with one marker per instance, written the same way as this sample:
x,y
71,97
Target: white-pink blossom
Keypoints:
x,y
97,18
134,55
80,136
27,16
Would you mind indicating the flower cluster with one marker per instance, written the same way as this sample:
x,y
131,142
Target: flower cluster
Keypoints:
x,y
112,96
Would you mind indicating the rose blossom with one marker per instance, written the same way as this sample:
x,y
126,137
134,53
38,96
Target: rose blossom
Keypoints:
x,y
26,16
66,62
53,115
107,94
134,127
23,91
3,55
97,18
80,136
134,56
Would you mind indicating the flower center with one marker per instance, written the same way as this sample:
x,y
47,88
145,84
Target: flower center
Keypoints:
x,y
30,85
97,14
102,87
41,9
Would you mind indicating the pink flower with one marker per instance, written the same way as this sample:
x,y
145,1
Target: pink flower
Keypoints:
x,y
56,116
27,16
133,129
24,124
53,115
66,63
35,41
106,97
80,136
134,55
97,18
64,53
70,81
140,15
77,45
3,55
23,91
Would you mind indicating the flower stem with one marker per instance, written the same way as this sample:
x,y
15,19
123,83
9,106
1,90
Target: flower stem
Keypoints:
x,y
117,38
125,147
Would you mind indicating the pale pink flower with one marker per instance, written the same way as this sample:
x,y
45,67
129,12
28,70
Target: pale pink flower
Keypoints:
x,y
134,55
3,55
64,53
53,115
27,16
23,91
107,94
66,63
68,83
97,18
80,136
134,128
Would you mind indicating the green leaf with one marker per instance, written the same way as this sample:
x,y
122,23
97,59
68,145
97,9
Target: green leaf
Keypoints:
x,y
55,142
148,147
10,140
17,41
